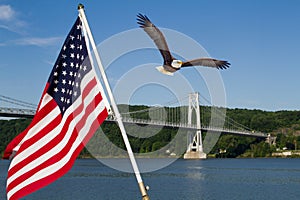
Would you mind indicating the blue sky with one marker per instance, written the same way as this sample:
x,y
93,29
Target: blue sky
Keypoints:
x,y
259,38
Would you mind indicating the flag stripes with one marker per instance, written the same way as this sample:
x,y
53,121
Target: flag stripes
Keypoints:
x,y
72,107
44,158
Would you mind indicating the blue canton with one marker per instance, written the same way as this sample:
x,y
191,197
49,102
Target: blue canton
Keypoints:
x,y
71,66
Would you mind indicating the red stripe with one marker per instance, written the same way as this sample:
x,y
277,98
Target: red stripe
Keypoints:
x,y
47,180
49,145
16,141
45,131
55,158
64,169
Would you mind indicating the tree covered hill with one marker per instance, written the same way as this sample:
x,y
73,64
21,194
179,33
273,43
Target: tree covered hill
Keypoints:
x,y
283,124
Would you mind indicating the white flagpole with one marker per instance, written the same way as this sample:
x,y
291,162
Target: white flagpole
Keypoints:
x,y
114,105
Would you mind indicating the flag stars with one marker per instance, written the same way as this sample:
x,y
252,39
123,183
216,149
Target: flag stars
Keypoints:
x,y
73,65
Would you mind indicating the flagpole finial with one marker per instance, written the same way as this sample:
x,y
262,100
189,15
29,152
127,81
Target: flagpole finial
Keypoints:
x,y
80,6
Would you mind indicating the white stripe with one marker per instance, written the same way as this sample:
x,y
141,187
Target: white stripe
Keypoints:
x,y
48,137
63,142
45,100
45,121
32,132
56,166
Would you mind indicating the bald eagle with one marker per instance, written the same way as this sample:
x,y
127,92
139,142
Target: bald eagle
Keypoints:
x,y
172,64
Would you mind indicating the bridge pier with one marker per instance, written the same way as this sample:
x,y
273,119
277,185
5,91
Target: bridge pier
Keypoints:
x,y
271,140
195,145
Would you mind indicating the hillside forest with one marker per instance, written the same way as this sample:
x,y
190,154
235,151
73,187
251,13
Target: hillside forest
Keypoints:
x,y
168,141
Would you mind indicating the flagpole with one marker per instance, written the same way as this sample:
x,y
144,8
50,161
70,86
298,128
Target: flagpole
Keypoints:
x,y
114,105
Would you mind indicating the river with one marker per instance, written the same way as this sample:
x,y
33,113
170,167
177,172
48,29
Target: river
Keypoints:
x,y
212,179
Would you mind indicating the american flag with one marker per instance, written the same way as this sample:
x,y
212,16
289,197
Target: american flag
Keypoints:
x,y
72,107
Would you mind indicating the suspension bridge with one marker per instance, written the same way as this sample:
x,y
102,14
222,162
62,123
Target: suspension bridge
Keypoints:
x,y
187,114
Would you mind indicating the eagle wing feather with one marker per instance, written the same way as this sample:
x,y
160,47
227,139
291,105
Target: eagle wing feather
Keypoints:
x,y
208,62
157,36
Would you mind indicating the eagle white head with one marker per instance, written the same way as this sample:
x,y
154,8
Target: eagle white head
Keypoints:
x,y
176,64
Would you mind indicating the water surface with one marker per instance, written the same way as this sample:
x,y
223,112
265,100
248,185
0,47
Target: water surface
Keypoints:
x,y
213,179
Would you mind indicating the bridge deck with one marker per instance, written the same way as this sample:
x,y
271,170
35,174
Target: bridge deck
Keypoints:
x,y
26,113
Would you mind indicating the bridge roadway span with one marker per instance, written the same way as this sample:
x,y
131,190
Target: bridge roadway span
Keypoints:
x,y
27,113
188,126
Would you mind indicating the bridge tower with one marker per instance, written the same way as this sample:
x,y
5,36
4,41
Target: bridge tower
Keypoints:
x,y
195,145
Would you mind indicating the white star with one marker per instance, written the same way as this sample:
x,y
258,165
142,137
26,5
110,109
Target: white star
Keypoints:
x,y
62,99
55,74
72,55
72,46
71,73
64,81
56,81
72,37
77,85
55,89
70,82
64,73
72,64
75,93
63,90
64,48
84,68
64,64
64,56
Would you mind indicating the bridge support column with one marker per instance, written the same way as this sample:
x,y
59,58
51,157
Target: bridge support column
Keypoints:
x,y
195,146
271,140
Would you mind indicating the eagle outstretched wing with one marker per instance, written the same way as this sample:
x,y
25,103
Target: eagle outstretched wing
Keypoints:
x,y
208,62
157,36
